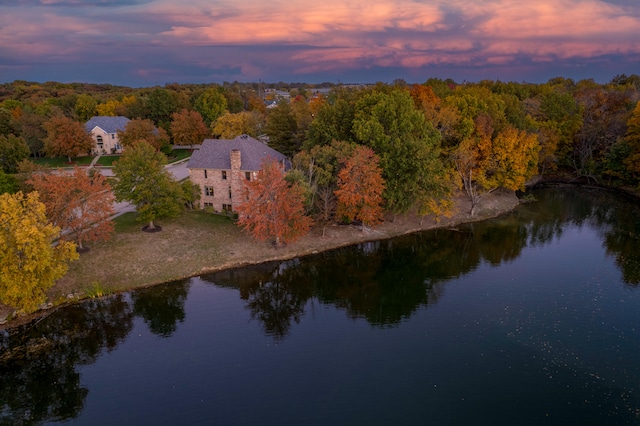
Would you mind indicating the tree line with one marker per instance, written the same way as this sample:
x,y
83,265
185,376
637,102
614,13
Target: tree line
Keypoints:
x,y
357,152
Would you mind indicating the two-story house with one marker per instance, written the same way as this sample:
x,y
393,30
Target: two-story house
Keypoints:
x,y
104,131
220,166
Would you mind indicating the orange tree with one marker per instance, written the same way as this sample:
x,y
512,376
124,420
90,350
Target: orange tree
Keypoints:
x,y
360,188
143,130
188,128
78,204
66,138
273,208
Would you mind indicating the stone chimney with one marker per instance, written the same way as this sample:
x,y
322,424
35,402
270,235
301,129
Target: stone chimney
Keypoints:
x,y
236,160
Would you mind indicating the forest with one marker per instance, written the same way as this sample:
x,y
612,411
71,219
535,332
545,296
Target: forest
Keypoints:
x,y
358,153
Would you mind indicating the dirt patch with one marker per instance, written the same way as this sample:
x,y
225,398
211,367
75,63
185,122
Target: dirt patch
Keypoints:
x,y
199,242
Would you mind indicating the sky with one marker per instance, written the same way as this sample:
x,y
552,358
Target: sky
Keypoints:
x,y
141,43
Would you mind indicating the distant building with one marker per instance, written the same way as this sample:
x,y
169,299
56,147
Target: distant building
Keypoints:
x,y
221,166
104,131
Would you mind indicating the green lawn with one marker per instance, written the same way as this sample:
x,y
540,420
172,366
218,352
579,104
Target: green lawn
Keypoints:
x,y
179,154
63,161
107,160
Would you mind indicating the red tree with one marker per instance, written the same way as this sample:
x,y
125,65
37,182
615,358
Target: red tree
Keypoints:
x,y
80,205
273,209
360,188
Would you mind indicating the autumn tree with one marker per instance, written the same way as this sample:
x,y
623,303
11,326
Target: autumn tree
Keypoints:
x,y
13,150
485,163
360,188
143,181
78,204
273,209
229,126
632,141
66,138
29,263
320,167
143,130
408,147
85,107
188,128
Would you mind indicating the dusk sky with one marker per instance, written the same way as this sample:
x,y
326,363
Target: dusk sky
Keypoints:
x,y
153,42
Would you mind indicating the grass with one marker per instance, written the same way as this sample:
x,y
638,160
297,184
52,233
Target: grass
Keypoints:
x,y
133,258
179,154
63,161
107,160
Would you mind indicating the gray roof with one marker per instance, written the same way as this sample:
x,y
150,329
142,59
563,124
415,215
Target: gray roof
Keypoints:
x,y
215,154
108,124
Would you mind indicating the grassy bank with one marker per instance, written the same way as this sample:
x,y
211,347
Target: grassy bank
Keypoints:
x,y
198,242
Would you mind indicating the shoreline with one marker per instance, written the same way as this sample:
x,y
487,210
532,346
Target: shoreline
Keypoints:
x,y
252,252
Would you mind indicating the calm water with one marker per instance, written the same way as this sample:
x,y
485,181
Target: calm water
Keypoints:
x,y
530,319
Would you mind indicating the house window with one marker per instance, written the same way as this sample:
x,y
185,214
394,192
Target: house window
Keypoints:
x,y
224,175
118,146
208,191
226,208
205,173
247,175
208,204
99,140
113,135
229,192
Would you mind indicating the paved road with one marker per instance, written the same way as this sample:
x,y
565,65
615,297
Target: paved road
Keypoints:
x,y
178,170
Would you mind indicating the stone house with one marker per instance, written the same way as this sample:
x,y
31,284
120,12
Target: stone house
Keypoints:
x,y
104,131
221,166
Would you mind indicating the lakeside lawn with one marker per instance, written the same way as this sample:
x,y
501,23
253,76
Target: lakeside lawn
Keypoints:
x,y
56,162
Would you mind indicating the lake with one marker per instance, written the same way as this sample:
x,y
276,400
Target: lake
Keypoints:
x,y
532,318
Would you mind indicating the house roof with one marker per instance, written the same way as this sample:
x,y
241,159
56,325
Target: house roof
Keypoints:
x,y
108,124
215,154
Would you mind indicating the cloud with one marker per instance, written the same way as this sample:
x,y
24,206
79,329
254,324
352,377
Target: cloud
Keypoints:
x,y
246,39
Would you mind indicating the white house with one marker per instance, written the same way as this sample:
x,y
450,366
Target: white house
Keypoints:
x,y
104,131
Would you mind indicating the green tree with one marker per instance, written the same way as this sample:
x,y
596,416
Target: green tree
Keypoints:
x,y
29,263
161,104
66,138
408,147
211,104
13,150
143,181
8,183
281,128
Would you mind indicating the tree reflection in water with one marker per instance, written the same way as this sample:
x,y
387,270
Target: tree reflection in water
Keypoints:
x,y
162,307
38,362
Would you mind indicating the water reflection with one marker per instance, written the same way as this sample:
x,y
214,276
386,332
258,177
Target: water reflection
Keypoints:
x,y
162,307
383,282
38,363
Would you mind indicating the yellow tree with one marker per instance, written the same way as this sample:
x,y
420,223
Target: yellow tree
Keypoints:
x,y
229,126
29,263
485,163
